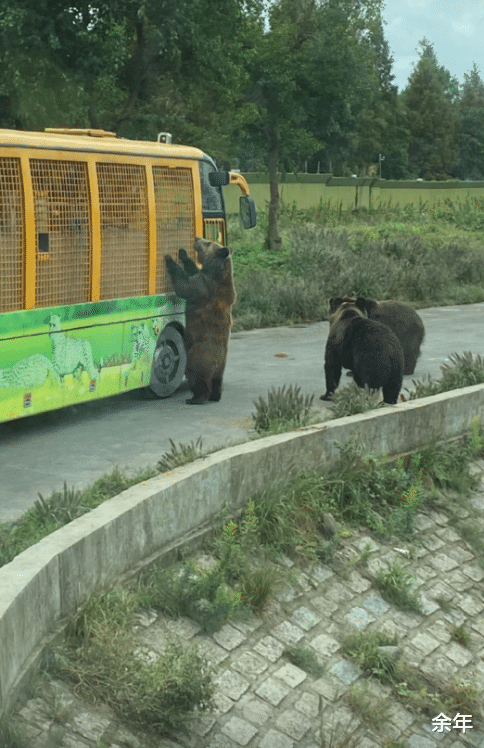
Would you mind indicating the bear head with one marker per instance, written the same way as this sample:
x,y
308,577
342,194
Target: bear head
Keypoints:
x,y
338,304
215,259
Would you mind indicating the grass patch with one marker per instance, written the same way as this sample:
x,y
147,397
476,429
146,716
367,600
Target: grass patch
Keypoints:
x,y
305,659
395,585
105,663
349,400
464,370
383,252
284,410
48,515
460,635
373,711
424,694
180,455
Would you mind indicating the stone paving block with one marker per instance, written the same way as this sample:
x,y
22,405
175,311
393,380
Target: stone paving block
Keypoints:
x,y
324,604
376,604
362,542
288,633
346,671
285,560
425,643
321,573
473,571
247,626
440,631
231,684
401,718
338,593
432,542
439,517
428,606
182,627
461,555
358,583
239,730
478,625
270,648
325,645
275,739
272,690
470,604
222,703
249,664
211,651
305,618
308,704
449,535
221,741
359,617
458,654
422,522
442,562
458,580
424,572
290,674
417,741
254,709
203,725
288,594
90,726
406,620
228,637
329,687
293,723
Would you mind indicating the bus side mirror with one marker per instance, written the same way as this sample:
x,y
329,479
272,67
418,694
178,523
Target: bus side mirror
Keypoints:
x,y
219,178
248,212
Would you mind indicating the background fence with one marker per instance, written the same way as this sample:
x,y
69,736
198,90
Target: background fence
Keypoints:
x,y
313,190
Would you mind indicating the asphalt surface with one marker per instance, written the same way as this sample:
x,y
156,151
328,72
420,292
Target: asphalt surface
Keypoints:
x,y
78,443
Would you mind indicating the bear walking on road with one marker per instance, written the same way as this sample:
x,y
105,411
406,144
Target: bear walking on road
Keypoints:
x,y
400,317
209,292
371,350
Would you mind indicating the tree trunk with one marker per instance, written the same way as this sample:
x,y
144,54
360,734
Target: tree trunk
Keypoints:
x,y
274,238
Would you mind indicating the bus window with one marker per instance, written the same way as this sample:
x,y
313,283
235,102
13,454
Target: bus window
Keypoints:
x,y
62,228
12,235
175,216
123,203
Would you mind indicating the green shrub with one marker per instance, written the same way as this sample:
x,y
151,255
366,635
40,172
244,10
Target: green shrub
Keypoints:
x,y
283,410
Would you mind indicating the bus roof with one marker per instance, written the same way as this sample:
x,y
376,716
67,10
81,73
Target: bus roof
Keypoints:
x,y
97,141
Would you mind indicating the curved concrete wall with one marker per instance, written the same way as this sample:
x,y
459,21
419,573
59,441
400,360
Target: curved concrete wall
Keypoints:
x,y
50,579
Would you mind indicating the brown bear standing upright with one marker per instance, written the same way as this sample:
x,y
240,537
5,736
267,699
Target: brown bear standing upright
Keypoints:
x,y
368,348
209,293
400,317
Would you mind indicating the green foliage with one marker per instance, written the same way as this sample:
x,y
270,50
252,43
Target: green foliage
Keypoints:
x,y
349,400
48,515
180,455
284,409
105,662
396,585
305,659
461,635
374,712
10,733
363,649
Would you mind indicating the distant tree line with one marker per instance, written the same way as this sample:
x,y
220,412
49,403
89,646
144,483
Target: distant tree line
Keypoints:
x,y
260,85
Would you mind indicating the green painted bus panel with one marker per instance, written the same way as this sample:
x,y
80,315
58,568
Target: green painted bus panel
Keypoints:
x,y
58,356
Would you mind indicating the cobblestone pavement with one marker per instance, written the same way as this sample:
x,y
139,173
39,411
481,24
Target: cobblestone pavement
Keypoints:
x,y
264,701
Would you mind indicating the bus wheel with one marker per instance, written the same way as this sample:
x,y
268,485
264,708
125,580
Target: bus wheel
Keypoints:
x,y
169,362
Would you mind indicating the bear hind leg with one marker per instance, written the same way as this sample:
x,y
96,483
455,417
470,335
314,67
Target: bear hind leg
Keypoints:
x,y
200,388
216,392
391,390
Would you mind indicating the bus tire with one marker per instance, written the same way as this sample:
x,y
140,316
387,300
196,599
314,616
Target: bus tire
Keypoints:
x,y
169,362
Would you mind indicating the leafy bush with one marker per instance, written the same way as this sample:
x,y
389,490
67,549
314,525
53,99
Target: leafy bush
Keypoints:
x,y
284,409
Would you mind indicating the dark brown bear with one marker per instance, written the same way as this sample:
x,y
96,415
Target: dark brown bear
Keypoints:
x,y
398,316
368,348
209,293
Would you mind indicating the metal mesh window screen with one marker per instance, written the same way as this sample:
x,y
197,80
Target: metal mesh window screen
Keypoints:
x,y
63,232
175,217
214,230
12,235
123,204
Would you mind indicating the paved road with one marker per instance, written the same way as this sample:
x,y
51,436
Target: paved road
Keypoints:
x,y
77,444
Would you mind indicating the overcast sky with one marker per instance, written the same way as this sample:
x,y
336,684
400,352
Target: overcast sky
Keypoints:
x,y
454,27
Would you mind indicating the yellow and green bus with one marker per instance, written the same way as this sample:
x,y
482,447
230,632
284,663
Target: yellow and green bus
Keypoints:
x,y
86,310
